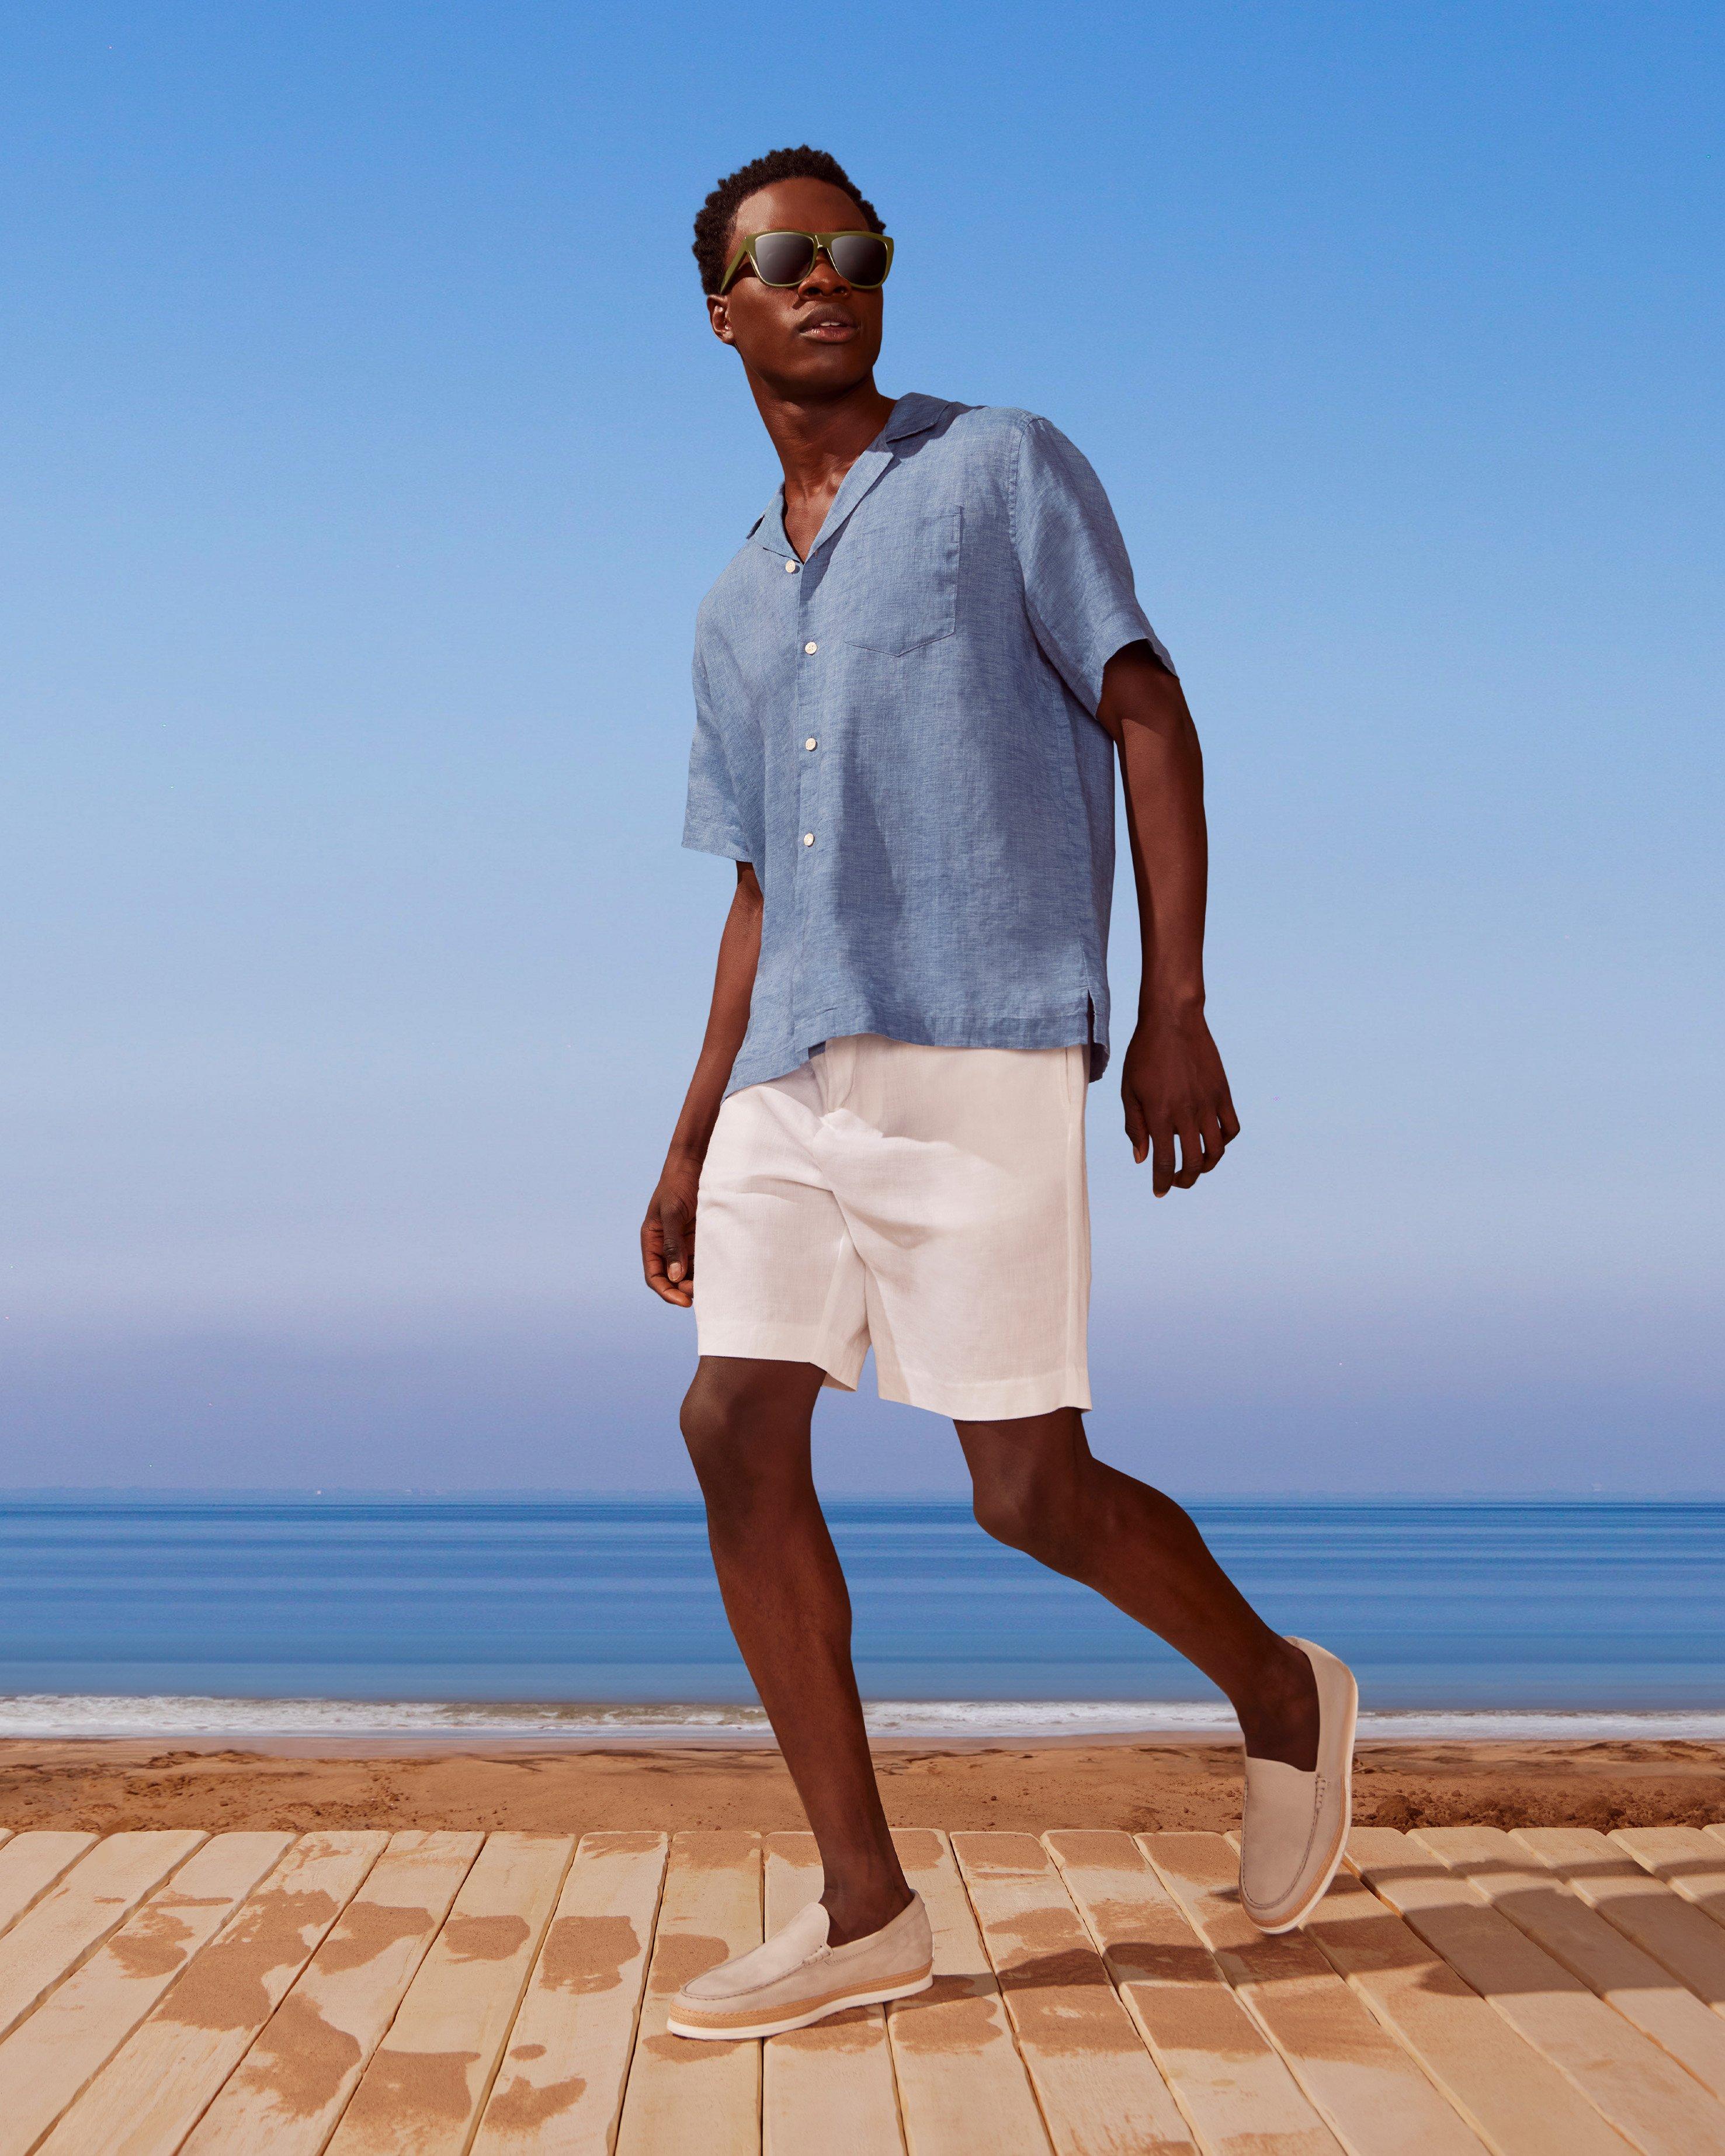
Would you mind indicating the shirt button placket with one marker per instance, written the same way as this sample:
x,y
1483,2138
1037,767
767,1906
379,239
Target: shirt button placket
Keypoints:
x,y
808,737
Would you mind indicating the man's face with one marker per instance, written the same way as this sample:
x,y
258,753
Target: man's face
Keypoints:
x,y
820,335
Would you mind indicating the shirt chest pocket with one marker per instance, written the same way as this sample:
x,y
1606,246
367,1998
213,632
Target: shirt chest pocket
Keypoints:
x,y
901,582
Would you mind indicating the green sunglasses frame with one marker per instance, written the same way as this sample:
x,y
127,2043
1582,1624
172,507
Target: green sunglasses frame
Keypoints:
x,y
823,244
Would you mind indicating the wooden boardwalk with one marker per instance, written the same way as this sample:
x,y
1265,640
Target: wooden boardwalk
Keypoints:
x,y
1552,1992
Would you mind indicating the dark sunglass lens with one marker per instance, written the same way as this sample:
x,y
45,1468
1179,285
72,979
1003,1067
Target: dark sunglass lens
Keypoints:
x,y
783,258
860,258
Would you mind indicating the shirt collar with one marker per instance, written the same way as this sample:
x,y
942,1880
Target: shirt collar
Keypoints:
x,y
912,414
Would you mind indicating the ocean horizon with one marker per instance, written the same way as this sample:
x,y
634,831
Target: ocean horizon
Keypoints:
x,y
563,1618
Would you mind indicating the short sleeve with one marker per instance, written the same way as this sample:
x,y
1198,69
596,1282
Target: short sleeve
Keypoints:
x,y
1078,582
712,823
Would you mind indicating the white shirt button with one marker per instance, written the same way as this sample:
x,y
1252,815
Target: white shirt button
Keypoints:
x,y
811,648
811,742
792,567
809,838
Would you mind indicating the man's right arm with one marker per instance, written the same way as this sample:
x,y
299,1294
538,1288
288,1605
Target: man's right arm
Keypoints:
x,y
668,1232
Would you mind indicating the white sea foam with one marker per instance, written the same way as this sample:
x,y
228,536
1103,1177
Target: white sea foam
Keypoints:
x,y
44,1715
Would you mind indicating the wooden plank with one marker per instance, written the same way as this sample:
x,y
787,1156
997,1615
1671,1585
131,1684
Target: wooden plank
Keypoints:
x,y
1646,2095
684,2093
559,2091
1235,2093
1537,1902
289,2091
961,2085
829,2086
1515,2100
422,2092
1679,1937
1689,1858
73,1918
52,2058
150,2094
1365,2087
31,1863
1087,2063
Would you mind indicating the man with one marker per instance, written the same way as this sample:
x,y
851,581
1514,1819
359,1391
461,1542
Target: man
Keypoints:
x,y
910,685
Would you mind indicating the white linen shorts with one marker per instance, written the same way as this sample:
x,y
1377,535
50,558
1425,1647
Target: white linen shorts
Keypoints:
x,y
927,1203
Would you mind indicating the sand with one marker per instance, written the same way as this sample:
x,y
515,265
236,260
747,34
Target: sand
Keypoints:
x,y
101,1786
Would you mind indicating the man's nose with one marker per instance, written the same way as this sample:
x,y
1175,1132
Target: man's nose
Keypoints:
x,y
823,278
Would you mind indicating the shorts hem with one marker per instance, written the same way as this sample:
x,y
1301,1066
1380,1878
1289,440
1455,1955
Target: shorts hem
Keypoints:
x,y
785,1343
990,1399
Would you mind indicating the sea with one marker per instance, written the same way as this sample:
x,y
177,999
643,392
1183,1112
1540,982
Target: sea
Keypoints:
x,y
566,1618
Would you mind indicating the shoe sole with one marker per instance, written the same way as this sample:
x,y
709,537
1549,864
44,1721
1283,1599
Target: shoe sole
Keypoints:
x,y
1323,1888
874,1996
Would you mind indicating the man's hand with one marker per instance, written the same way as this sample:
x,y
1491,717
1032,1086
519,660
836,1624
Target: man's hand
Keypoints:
x,y
668,1232
1172,1081
1173,1087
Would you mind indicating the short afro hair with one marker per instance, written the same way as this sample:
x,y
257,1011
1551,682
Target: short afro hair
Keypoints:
x,y
714,218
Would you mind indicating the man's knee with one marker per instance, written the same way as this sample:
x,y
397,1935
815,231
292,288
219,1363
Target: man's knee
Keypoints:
x,y
1029,1509
744,1438
1005,1510
715,1420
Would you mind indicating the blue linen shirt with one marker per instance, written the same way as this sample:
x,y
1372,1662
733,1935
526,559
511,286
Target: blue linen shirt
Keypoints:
x,y
900,734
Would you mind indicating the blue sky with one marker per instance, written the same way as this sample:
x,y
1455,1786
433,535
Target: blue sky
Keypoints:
x,y
366,455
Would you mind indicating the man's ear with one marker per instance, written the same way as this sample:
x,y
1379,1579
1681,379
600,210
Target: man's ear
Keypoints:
x,y
718,313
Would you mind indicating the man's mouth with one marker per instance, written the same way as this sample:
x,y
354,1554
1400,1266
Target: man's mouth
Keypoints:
x,y
827,325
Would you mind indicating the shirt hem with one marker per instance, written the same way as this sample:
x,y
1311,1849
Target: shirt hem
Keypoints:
x,y
1068,1025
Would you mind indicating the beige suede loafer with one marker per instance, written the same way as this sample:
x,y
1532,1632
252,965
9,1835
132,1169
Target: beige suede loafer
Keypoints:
x,y
1295,1825
796,1978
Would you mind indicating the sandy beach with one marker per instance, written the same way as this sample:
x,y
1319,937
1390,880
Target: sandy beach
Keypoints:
x,y
102,1786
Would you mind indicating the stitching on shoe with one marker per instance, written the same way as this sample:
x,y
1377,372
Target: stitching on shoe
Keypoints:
x,y
1318,1806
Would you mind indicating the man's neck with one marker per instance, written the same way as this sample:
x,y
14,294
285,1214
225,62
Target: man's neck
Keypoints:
x,y
817,443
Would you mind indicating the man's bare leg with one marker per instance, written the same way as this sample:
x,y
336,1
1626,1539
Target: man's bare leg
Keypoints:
x,y
1039,1487
746,1424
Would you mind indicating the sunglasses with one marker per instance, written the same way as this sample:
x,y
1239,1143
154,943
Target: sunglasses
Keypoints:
x,y
861,258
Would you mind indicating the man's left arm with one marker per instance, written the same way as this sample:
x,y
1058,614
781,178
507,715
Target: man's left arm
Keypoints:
x,y
1171,1079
